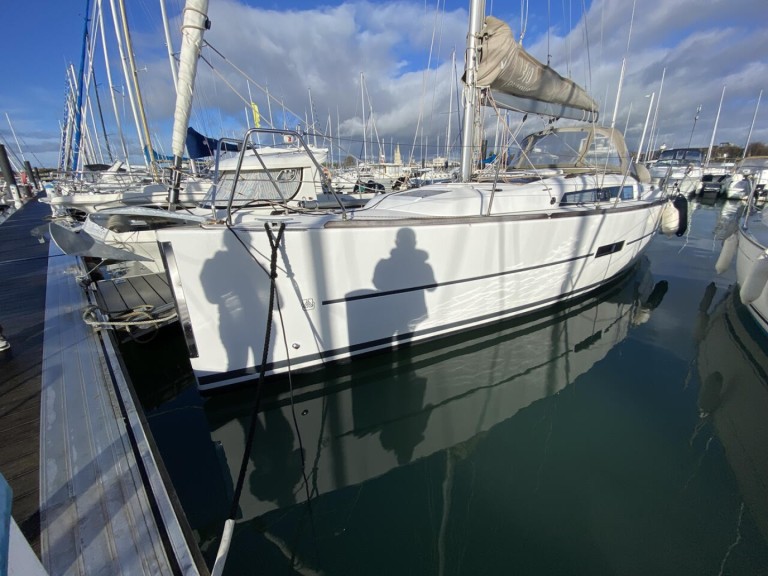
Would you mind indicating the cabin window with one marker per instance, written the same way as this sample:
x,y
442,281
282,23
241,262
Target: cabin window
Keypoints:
x,y
572,149
596,195
255,185
556,149
602,153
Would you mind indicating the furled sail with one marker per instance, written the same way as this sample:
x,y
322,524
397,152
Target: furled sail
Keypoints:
x,y
520,82
195,23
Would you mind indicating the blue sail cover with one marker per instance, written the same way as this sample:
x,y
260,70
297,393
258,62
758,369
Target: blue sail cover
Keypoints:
x,y
199,146
156,156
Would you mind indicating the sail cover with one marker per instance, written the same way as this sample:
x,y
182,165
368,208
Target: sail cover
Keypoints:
x,y
520,82
195,23
199,146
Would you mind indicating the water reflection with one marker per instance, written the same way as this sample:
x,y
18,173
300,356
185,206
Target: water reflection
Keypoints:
x,y
432,403
622,435
728,218
732,363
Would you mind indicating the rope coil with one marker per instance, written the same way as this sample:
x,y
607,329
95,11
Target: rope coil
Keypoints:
x,y
143,317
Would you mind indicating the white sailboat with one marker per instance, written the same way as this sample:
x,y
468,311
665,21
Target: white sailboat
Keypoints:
x,y
260,294
271,179
750,173
749,245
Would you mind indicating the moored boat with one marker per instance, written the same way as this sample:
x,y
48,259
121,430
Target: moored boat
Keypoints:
x,y
264,295
752,264
750,174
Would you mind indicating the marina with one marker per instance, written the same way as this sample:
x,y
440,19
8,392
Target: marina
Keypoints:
x,y
537,346
545,446
549,431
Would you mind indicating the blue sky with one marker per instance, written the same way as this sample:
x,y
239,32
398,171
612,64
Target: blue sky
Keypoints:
x,y
401,53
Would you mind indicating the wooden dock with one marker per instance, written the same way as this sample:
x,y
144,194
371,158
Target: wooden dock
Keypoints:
x,y
23,277
88,491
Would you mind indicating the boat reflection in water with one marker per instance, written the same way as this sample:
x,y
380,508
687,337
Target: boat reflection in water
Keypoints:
x,y
733,370
728,218
373,419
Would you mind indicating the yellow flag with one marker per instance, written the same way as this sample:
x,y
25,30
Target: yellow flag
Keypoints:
x,y
256,116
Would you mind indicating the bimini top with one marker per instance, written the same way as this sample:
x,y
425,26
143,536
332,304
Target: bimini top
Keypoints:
x,y
585,148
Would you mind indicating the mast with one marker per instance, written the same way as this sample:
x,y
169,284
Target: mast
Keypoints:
x,y
109,83
195,23
618,93
101,118
78,109
121,51
13,132
717,119
450,106
749,136
476,15
362,100
70,127
64,128
269,110
91,132
645,127
695,119
654,133
139,102
312,117
169,44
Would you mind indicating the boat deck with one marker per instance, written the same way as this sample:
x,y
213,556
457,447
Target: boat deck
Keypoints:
x,y
88,492
121,295
134,306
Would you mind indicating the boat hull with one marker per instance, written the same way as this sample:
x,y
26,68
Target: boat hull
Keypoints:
x,y
349,287
749,258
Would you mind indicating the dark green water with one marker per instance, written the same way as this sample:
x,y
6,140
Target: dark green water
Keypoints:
x,y
626,434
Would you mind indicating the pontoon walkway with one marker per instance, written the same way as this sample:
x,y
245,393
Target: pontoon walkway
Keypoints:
x,y
88,492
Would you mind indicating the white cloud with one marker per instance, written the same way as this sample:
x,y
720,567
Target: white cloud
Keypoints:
x,y
404,49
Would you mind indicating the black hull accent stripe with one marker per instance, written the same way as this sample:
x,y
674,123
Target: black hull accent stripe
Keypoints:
x,y
252,371
620,246
450,282
643,237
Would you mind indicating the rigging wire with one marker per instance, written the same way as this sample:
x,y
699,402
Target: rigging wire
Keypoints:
x,y
523,19
419,121
246,76
586,45
549,32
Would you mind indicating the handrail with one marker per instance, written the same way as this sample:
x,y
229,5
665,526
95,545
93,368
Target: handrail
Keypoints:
x,y
215,180
249,133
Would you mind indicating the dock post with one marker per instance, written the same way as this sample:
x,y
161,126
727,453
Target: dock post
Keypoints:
x,y
5,167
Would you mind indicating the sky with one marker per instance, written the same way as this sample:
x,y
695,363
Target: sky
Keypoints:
x,y
394,64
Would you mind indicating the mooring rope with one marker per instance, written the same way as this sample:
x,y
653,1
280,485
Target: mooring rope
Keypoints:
x,y
226,538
